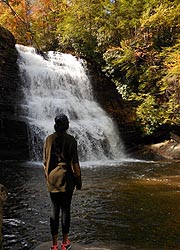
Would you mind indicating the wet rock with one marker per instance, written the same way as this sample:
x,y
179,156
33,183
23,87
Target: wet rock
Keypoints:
x,y
169,149
75,246
106,94
3,197
13,129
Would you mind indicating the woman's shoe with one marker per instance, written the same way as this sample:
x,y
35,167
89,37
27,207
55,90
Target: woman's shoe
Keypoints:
x,y
54,247
66,246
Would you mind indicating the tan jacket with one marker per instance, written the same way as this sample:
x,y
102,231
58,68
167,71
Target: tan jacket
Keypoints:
x,y
46,161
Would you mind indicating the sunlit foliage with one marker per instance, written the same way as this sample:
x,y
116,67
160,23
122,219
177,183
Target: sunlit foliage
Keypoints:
x,y
135,42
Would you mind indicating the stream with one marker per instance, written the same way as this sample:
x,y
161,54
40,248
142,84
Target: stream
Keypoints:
x,y
123,205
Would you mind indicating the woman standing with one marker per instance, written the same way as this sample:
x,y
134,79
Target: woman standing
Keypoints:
x,y
63,174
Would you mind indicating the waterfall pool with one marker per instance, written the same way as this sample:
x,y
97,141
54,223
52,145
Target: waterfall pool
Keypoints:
x,y
123,205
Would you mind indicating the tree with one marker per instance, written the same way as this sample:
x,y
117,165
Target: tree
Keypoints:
x,y
45,18
141,66
15,16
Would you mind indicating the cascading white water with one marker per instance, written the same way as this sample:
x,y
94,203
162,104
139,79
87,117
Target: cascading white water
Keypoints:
x,y
59,84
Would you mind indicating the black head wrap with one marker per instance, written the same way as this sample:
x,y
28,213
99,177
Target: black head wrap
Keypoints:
x,y
61,123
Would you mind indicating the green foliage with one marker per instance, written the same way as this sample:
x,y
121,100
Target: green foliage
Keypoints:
x,y
162,22
121,66
149,113
146,66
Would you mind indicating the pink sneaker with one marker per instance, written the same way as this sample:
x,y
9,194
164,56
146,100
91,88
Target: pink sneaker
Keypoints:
x,y
54,247
66,246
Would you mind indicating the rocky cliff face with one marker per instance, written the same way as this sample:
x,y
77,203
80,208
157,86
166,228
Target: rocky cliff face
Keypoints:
x,y
120,110
13,130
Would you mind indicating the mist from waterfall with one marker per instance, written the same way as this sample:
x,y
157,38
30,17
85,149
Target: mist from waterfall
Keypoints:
x,y
60,84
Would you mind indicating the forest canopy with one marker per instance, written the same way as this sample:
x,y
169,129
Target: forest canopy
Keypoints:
x,y
136,43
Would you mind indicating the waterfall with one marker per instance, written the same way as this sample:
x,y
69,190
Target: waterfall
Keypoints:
x,y
60,84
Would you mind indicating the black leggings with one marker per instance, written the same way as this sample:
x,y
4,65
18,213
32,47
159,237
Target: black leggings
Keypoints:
x,y
60,201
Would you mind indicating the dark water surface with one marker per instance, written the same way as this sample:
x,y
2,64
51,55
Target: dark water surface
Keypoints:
x,y
130,205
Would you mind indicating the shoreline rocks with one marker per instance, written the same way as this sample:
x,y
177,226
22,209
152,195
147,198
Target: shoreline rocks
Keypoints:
x,y
169,149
